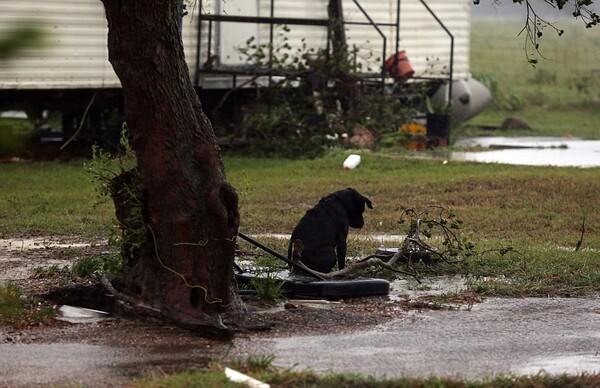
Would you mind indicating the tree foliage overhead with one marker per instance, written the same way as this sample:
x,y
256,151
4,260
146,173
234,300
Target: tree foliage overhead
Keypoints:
x,y
535,23
582,10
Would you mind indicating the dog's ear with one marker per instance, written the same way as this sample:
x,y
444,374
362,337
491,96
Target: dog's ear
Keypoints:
x,y
357,195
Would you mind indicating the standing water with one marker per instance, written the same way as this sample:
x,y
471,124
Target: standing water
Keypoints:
x,y
532,151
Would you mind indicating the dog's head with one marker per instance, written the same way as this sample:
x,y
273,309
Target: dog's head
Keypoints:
x,y
354,203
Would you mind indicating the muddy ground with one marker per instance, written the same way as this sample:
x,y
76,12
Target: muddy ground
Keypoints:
x,y
399,335
111,351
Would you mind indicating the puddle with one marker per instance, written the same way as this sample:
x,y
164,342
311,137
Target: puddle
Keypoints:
x,y
37,243
74,364
13,267
19,269
82,364
498,336
579,363
409,288
532,151
20,257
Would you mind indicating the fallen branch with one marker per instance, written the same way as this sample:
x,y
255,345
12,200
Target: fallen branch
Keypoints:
x,y
413,246
370,261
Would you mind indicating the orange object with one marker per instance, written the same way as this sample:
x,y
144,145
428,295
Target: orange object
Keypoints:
x,y
399,66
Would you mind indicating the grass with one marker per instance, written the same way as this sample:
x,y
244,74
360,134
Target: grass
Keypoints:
x,y
536,210
18,309
50,198
268,287
563,61
559,96
214,377
11,305
498,201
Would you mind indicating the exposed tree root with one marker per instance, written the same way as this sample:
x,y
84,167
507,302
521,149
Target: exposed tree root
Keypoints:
x,y
211,327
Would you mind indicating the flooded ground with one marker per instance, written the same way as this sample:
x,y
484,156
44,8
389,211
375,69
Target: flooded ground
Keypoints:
x,y
71,363
410,289
16,262
87,364
376,336
498,336
532,151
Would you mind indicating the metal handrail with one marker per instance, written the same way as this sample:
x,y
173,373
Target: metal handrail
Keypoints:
x,y
281,20
380,33
451,70
271,20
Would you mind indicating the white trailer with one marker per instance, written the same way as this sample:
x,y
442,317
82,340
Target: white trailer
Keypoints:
x,y
73,66
434,33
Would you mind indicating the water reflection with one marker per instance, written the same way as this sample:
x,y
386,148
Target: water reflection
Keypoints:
x,y
532,151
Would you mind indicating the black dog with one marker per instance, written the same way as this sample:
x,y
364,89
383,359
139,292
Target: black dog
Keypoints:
x,y
319,239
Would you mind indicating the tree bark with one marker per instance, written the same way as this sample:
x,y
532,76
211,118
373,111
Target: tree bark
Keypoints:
x,y
335,16
184,266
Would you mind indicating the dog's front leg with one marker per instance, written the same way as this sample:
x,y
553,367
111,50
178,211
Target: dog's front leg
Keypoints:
x,y
341,251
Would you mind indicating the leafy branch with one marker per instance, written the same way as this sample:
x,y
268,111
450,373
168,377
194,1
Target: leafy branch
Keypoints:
x,y
430,224
534,26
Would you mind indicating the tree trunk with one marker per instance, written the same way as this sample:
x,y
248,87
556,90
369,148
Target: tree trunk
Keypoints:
x,y
184,266
347,84
335,15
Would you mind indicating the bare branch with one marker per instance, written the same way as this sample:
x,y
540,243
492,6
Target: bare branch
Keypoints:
x,y
369,261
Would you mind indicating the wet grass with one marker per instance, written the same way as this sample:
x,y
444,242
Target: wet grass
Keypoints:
x,y
18,309
537,271
50,198
211,378
534,210
559,78
537,211
309,379
215,377
10,302
500,202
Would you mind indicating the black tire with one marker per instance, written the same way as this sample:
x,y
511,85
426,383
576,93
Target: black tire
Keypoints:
x,y
328,289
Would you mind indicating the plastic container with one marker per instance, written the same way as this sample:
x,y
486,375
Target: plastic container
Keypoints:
x,y
399,66
351,162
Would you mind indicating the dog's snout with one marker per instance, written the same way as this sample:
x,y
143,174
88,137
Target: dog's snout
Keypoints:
x,y
357,223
